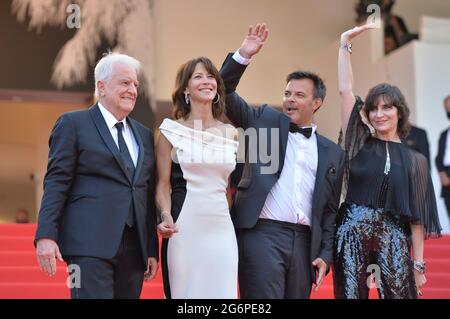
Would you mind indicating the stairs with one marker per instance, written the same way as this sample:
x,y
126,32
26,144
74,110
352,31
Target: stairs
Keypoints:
x,y
20,277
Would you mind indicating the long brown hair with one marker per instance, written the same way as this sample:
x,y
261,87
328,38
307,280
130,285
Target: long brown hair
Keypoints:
x,y
180,108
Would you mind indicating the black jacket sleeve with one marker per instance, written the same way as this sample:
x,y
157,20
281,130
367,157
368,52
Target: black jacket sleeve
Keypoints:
x,y
330,213
441,151
237,109
61,169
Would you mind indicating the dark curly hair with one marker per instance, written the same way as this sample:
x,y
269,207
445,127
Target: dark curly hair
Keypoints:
x,y
392,95
180,108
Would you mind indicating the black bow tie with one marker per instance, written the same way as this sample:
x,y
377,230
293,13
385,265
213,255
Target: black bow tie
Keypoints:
x,y
306,131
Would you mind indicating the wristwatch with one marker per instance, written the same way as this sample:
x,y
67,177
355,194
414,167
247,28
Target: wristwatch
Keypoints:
x,y
420,266
348,46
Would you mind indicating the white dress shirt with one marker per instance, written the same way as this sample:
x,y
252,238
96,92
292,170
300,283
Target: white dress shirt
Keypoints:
x,y
240,59
127,133
290,199
447,150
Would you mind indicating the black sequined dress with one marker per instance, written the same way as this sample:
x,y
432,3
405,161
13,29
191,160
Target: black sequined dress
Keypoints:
x,y
388,187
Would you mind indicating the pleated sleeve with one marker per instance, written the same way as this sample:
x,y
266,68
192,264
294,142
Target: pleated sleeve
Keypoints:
x,y
422,198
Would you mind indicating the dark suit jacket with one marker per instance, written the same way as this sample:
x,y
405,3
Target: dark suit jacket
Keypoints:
x,y
87,192
445,191
418,141
254,186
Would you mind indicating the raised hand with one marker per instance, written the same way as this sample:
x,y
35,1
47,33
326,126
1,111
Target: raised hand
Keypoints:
x,y
254,40
349,35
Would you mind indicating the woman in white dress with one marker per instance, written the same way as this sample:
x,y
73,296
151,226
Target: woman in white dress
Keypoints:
x,y
195,156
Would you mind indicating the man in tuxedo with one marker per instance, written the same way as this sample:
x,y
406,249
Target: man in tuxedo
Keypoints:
x,y
417,140
443,159
97,211
285,217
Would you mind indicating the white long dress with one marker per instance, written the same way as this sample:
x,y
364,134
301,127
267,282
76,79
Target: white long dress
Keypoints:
x,y
201,260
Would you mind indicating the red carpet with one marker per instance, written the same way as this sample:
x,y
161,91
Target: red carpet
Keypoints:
x,y
20,276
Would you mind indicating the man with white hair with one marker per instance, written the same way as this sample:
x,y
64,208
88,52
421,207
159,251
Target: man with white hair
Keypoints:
x,y
97,211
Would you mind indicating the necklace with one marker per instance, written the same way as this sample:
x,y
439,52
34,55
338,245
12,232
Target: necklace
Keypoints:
x,y
387,167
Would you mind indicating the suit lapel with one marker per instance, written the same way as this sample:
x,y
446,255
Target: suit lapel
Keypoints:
x,y
322,155
140,143
105,133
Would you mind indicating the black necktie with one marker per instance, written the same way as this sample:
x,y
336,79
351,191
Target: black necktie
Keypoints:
x,y
306,131
129,165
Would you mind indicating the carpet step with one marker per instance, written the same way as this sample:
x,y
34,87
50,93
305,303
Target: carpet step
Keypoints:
x,y
444,240
33,274
438,280
436,293
325,292
438,265
17,243
34,291
18,258
29,274
436,251
18,230
60,291
152,291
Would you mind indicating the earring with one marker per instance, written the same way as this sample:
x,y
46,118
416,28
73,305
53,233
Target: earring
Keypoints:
x,y
186,98
218,99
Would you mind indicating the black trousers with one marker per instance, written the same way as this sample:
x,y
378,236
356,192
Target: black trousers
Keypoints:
x,y
120,277
274,261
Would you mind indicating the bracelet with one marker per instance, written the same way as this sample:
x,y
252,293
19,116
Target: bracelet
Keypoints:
x,y
420,266
348,46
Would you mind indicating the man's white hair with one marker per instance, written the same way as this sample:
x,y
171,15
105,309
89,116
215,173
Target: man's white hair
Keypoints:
x,y
105,65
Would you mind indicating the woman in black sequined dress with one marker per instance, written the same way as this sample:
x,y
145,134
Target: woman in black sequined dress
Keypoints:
x,y
389,202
